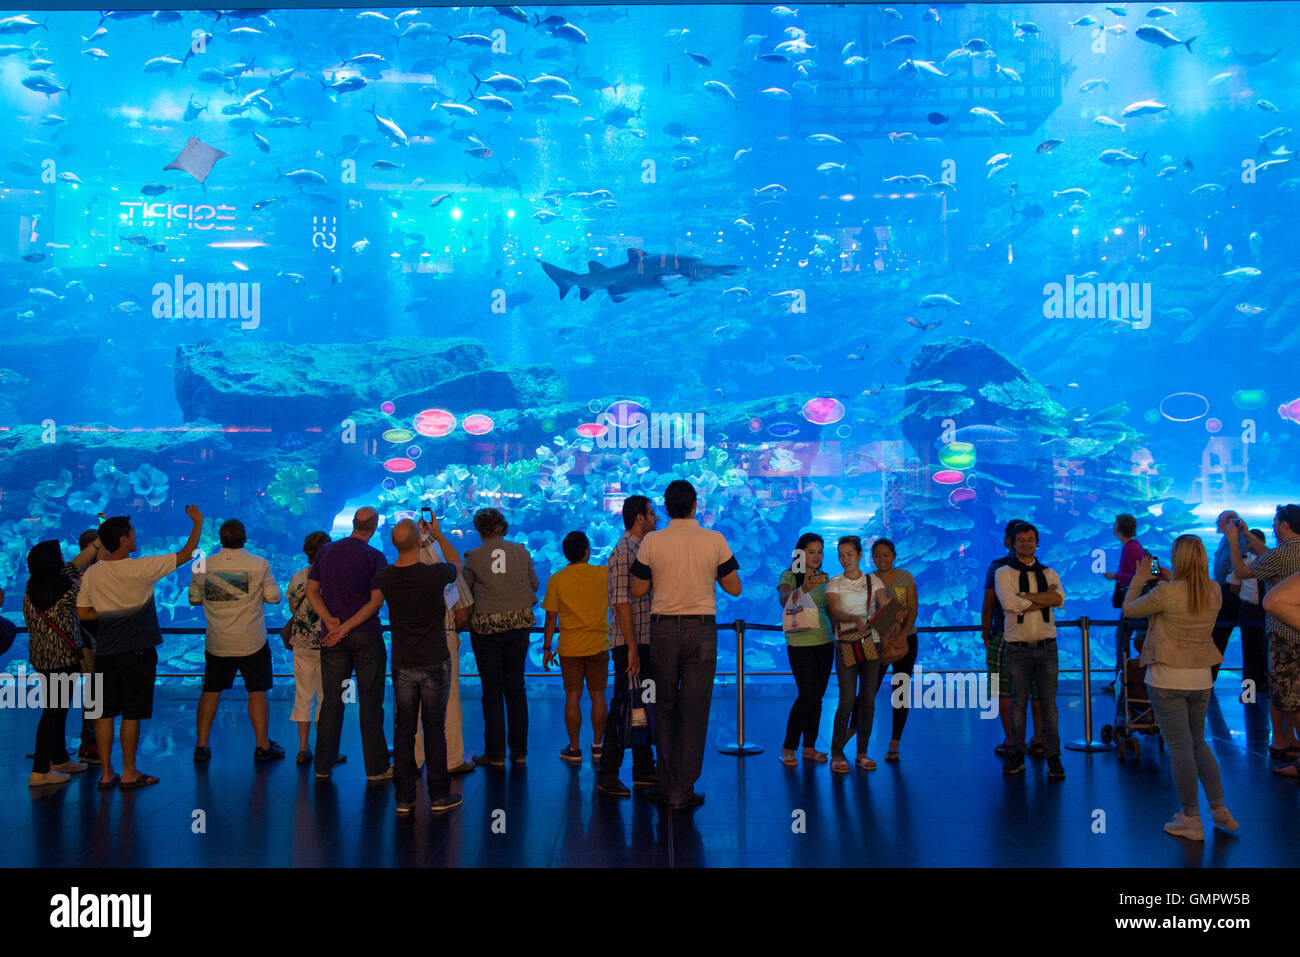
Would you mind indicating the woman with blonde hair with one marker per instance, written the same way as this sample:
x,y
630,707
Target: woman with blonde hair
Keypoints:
x,y
1179,653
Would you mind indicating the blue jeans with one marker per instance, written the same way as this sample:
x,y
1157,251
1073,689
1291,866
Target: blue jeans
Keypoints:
x,y
686,659
1181,716
1036,666
363,653
500,659
420,694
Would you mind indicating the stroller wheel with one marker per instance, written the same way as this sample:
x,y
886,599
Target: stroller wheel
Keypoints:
x,y
1107,734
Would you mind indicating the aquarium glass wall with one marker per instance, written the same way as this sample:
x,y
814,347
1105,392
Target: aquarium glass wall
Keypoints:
x,y
905,271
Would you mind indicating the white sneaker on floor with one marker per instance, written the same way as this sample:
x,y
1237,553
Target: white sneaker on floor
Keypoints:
x,y
49,777
1184,826
1223,818
69,767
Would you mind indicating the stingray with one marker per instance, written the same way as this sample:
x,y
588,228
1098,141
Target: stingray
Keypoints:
x,y
1253,58
197,159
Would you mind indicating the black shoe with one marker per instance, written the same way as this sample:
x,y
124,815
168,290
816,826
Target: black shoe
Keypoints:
x,y
1015,763
571,754
489,762
644,778
1055,770
465,767
693,800
273,752
614,788
202,755
444,804
655,794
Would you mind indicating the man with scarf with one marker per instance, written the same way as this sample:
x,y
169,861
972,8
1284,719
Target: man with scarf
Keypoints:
x,y
1028,592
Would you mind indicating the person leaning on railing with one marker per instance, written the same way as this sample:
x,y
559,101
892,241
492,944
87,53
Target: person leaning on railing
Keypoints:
x,y
1179,652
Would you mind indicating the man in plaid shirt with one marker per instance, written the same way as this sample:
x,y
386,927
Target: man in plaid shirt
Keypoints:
x,y
628,616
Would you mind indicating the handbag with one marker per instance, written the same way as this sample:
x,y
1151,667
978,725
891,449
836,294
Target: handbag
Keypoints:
x,y
855,648
1117,596
800,613
893,644
633,717
286,634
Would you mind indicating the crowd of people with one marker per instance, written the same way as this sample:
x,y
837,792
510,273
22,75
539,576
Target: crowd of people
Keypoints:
x,y
652,609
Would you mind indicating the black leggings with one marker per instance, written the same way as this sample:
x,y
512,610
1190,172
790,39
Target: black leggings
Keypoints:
x,y
50,748
903,666
812,671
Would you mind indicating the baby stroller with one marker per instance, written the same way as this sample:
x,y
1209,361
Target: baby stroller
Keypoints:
x,y
1134,714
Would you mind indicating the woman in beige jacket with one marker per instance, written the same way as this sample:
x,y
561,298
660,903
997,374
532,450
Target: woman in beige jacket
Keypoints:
x,y
1179,653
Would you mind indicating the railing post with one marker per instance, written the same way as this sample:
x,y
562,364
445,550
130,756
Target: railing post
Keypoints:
x,y
739,747
1086,743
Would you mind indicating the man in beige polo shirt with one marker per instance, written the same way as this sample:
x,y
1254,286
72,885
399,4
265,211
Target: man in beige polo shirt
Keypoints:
x,y
683,561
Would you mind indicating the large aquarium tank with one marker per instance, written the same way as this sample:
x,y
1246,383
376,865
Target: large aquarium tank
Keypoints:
x,y
905,271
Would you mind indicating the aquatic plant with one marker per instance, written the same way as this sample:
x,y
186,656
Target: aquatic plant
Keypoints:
x,y
289,488
149,482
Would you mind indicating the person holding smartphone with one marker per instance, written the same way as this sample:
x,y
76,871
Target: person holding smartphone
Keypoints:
x,y
811,651
1179,652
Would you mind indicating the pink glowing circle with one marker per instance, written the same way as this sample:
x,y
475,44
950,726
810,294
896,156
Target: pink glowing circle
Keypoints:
x,y
388,408
399,464
949,477
591,430
962,495
478,424
434,423
755,425
1213,425
823,411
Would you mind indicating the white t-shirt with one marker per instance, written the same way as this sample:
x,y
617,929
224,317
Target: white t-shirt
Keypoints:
x,y
1249,588
121,592
857,597
232,589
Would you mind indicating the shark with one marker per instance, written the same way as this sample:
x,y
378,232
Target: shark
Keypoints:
x,y
642,272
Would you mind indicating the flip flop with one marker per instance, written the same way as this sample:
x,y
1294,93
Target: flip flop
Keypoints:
x,y
143,781
891,756
110,783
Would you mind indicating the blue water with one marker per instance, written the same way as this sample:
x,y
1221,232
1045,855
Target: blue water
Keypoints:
x,y
889,325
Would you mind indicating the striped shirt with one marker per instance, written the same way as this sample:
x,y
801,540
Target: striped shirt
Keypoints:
x,y
620,592
1272,567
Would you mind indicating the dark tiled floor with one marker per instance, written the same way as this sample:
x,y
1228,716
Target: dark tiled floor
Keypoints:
x,y
945,804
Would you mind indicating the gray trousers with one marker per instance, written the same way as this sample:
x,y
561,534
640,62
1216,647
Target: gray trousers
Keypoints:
x,y
858,686
1181,716
685,661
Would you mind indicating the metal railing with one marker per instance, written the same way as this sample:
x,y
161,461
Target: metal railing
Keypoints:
x,y
740,747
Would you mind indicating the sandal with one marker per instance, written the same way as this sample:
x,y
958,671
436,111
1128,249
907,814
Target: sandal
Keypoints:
x,y
840,766
109,784
788,759
1291,770
865,763
143,781
892,755
812,754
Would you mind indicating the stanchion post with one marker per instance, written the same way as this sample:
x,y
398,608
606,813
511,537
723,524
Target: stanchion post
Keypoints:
x,y
1086,743
739,747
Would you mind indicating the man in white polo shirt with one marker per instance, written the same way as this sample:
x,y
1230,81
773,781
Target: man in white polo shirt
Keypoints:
x,y
683,561
1029,593
232,587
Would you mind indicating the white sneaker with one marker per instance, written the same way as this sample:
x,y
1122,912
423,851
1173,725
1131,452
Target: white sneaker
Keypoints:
x,y
69,767
1223,818
1188,827
49,777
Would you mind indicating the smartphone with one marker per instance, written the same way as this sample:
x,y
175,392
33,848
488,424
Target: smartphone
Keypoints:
x,y
1155,566
426,514
1237,522
102,518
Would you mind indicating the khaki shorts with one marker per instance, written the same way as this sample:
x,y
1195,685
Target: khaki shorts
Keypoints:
x,y
593,668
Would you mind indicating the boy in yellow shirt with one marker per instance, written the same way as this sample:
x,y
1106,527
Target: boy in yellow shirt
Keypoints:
x,y
577,600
